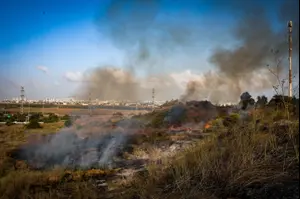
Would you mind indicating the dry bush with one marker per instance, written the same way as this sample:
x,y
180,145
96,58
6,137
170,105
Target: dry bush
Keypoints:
x,y
233,165
52,184
34,184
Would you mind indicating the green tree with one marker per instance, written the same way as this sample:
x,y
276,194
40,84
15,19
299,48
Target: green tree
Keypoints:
x,y
261,101
246,101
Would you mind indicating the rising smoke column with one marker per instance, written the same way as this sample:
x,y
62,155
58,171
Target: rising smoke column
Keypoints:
x,y
245,66
148,38
109,83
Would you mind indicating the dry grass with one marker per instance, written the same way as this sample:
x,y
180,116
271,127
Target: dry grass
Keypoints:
x,y
63,111
226,164
17,180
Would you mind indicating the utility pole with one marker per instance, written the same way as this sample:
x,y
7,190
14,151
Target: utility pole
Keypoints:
x,y
153,98
22,100
290,27
28,114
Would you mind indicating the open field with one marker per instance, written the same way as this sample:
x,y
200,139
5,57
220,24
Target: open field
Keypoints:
x,y
63,111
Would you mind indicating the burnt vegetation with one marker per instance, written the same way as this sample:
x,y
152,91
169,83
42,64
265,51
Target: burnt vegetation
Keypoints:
x,y
252,151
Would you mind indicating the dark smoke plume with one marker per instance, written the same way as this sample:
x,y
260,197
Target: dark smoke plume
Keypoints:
x,y
152,38
239,68
109,83
136,28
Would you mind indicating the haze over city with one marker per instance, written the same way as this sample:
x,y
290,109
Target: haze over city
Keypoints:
x,y
121,50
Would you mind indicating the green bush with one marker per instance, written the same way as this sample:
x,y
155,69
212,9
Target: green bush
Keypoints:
x,y
68,123
158,119
36,116
52,118
33,124
231,120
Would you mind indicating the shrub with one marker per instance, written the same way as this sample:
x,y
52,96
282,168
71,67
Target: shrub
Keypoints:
x,y
33,124
52,118
68,123
36,116
231,120
237,163
158,119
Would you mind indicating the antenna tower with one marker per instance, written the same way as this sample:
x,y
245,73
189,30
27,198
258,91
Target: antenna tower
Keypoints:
x,y
43,110
290,27
90,104
153,98
22,100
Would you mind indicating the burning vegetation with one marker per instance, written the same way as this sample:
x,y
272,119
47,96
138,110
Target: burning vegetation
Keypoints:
x,y
96,154
185,149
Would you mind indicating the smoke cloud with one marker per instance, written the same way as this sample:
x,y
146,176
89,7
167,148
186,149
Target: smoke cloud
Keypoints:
x,y
242,67
151,38
92,146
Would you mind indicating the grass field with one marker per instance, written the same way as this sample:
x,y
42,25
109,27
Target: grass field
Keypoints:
x,y
63,111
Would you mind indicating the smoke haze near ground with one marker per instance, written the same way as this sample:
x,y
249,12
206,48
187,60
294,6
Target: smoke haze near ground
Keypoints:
x,y
92,146
148,42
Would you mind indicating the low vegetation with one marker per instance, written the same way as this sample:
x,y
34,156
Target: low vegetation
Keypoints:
x,y
244,161
254,156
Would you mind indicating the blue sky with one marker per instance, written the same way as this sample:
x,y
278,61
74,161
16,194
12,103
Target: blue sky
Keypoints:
x,y
59,35
43,41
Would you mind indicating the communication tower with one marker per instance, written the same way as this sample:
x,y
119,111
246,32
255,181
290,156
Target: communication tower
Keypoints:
x,y
153,98
22,100
90,104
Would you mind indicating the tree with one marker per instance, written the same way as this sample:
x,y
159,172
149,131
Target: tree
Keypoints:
x,y
261,101
246,101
